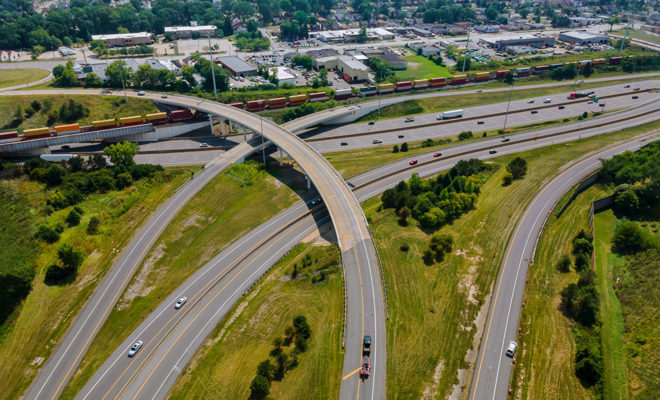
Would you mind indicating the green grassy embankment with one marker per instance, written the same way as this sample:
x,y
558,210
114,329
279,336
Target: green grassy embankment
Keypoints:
x,y
14,77
641,35
419,67
99,107
36,326
224,367
230,206
615,373
450,300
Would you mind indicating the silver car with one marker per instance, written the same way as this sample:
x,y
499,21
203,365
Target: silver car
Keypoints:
x,y
179,303
511,350
135,348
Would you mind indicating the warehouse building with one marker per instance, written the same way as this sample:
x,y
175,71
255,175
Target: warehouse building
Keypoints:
x,y
236,66
352,69
125,39
184,32
501,43
351,35
583,37
284,75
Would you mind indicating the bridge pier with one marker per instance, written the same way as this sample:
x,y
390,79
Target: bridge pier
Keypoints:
x,y
211,123
245,134
309,182
280,156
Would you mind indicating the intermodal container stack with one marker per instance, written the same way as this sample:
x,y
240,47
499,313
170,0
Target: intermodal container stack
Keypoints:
x,y
157,118
405,85
368,91
297,99
66,129
539,69
181,115
481,76
36,133
598,61
557,65
104,124
256,105
130,121
8,137
421,83
237,105
318,96
524,71
341,94
384,88
278,102
457,79
501,74
438,82
615,60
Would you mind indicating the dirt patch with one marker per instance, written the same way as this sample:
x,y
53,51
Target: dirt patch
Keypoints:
x,y
471,355
37,361
139,287
466,284
431,391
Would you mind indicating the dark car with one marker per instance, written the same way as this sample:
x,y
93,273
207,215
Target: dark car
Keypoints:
x,y
480,122
492,151
316,201
366,346
400,136
636,88
626,87
409,119
371,122
561,107
535,111
635,97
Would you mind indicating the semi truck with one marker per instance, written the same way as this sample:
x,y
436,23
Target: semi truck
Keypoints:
x,y
451,114
577,95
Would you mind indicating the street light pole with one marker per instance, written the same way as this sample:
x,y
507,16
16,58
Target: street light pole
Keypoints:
x,y
121,74
215,90
506,116
263,148
467,47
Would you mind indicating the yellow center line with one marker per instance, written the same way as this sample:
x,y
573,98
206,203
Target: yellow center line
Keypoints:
x,y
506,259
350,374
357,260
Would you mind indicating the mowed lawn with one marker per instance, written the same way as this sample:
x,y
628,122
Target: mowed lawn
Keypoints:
x,y
30,335
224,367
420,67
219,214
13,77
100,107
446,304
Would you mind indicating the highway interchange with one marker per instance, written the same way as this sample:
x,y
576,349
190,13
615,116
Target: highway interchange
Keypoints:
x,y
160,365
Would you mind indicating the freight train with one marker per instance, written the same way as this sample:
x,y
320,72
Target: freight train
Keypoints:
x,y
62,130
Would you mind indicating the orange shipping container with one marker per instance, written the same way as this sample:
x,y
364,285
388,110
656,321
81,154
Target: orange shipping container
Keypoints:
x,y
66,128
36,131
104,123
157,116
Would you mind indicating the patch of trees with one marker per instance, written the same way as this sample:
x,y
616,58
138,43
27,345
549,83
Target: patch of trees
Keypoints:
x,y
301,60
439,245
516,169
437,201
306,109
65,271
76,179
251,41
403,148
315,269
568,71
630,238
447,12
381,68
580,302
268,371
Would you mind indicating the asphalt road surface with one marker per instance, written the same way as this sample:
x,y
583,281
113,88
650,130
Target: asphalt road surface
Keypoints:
x,y
493,369
240,265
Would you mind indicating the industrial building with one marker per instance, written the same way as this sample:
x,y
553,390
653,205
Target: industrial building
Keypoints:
x,y
583,37
501,43
284,75
351,35
125,39
236,66
184,32
396,61
352,69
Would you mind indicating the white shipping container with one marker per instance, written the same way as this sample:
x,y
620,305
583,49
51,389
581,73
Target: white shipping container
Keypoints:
x,y
452,114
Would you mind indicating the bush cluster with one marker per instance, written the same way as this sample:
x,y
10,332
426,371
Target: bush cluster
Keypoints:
x,y
437,201
438,247
267,371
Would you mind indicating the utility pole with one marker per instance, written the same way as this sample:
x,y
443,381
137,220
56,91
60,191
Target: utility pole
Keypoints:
x,y
506,116
623,40
121,74
215,90
263,148
467,46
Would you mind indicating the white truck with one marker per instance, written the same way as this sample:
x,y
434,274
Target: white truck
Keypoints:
x,y
451,114
56,157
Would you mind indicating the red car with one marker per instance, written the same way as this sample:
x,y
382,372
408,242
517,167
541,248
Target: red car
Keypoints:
x,y
413,162
438,154
366,368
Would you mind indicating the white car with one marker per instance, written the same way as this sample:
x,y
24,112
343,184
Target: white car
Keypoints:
x,y
203,145
179,303
530,101
141,93
511,350
135,348
548,100
377,141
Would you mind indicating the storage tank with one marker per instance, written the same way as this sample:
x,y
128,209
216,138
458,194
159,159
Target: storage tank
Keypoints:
x,y
130,121
421,83
66,129
278,102
297,99
158,118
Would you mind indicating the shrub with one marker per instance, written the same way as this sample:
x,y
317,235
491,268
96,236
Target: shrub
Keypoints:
x,y
465,135
395,149
56,275
47,234
259,388
93,225
507,179
73,219
69,256
564,263
517,167
629,238
581,262
404,147
124,180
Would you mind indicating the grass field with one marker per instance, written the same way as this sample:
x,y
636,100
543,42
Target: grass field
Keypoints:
x,y
223,211
226,364
100,107
419,67
641,35
615,373
30,334
450,300
443,103
13,77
